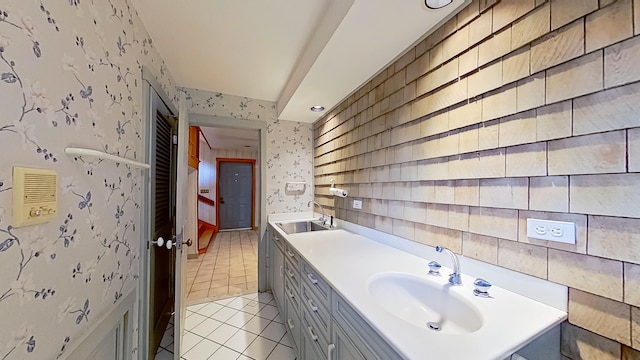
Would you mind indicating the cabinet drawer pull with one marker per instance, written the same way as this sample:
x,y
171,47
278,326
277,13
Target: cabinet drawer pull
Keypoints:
x,y
312,305
281,267
312,279
290,323
290,253
291,294
330,348
314,337
290,273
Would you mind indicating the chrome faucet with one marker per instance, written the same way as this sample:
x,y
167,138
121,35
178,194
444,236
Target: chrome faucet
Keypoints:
x,y
323,219
454,278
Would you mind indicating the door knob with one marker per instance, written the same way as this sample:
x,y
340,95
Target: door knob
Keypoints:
x,y
188,242
162,242
158,242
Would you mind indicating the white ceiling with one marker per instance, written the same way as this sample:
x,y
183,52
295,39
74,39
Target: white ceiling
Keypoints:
x,y
229,138
297,53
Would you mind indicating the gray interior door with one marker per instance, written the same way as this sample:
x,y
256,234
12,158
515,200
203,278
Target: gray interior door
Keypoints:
x,y
161,259
236,195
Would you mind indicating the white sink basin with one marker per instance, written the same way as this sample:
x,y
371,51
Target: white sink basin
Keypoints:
x,y
427,305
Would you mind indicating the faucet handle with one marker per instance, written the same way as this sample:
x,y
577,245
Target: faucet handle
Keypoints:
x,y
481,287
434,268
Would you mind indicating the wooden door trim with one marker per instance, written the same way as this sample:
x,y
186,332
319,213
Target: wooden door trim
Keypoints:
x,y
253,186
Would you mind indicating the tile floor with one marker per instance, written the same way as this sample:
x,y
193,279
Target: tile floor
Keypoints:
x,y
228,268
241,327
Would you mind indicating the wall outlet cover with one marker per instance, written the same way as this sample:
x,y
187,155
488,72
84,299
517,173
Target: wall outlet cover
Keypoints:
x,y
559,231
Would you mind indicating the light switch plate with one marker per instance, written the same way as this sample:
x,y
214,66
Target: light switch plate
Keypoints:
x,y
357,204
559,231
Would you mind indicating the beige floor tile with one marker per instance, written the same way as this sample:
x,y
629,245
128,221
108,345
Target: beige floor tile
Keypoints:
x,y
237,290
202,278
208,265
237,280
229,267
220,275
218,291
236,273
205,272
219,283
200,286
197,295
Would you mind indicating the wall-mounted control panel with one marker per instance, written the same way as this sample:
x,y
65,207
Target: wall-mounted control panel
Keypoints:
x,y
560,231
357,204
35,196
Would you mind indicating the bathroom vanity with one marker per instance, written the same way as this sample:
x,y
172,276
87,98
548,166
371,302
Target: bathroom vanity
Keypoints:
x,y
344,296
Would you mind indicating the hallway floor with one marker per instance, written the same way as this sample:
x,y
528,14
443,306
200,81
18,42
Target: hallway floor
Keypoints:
x,y
228,268
241,327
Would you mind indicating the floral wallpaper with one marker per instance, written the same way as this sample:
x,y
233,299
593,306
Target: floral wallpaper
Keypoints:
x,y
70,75
289,145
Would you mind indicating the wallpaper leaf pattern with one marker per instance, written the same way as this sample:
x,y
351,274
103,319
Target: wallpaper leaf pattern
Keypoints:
x,y
70,75
289,145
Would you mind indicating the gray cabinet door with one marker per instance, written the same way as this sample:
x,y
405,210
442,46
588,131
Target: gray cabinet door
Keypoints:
x,y
277,273
293,325
309,350
344,348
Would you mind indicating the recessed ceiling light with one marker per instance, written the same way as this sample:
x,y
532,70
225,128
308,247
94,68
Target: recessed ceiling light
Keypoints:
x,y
437,4
317,108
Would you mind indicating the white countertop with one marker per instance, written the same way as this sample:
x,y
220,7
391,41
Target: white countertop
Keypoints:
x,y
348,261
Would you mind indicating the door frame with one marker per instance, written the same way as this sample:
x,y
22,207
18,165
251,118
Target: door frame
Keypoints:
x,y
253,187
153,99
261,126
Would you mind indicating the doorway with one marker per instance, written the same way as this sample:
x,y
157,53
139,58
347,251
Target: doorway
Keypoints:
x,y
236,188
229,266
157,99
162,259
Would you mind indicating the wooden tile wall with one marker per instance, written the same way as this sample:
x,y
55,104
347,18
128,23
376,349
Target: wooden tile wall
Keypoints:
x,y
513,109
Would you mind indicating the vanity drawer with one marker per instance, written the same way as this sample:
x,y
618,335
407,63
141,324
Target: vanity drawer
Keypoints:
x,y
292,294
292,274
317,309
319,285
313,337
277,239
292,256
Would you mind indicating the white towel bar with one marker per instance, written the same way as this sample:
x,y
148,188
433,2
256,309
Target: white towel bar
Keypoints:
x,y
104,155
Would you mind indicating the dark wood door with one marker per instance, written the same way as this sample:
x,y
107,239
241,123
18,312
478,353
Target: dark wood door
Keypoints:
x,y
162,259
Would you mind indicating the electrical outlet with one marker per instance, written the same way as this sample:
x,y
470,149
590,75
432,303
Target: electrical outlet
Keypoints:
x,y
357,204
559,231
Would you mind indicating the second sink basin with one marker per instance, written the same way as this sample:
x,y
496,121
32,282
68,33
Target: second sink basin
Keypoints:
x,y
424,304
300,226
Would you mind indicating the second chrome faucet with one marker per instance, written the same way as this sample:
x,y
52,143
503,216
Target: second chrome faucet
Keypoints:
x,y
323,219
454,278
